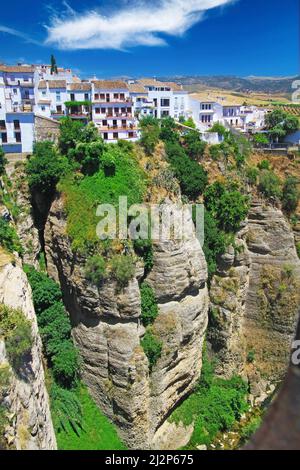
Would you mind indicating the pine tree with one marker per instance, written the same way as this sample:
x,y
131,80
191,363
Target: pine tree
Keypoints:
x,y
53,65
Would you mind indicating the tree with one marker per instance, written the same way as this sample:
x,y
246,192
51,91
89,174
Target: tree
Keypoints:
x,y
69,134
227,205
195,146
168,130
269,184
214,242
260,139
150,132
66,365
219,128
152,347
45,168
95,269
191,176
275,118
53,65
3,161
290,194
279,123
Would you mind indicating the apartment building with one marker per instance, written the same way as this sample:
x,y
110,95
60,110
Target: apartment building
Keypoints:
x,y
51,98
112,110
17,108
168,98
79,101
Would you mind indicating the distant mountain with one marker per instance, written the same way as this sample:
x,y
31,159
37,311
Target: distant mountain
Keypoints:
x,y
281,85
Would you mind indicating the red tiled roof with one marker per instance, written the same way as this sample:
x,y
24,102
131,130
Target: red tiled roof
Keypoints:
x,y
110,85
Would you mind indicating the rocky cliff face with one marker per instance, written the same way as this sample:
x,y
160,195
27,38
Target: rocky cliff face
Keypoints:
x,y
107,330
29,421
255,298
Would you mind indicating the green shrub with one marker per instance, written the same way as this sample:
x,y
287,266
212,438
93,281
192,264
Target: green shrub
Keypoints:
x,y
260,139
213,407
16,331
227,205
269,184
219,128
168,130
9,238
45,168
55,333
152,347
150,132
3,162
251,357
148,304
214,243
264,165
298,249
144,248
215,152
290,194
95,269
70,131
252,174
45,291
191,176
194,145
122,269
66,364
66,409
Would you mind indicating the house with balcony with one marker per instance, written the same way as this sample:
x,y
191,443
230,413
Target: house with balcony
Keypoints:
x,y
79,103
51,96
142,104
168,98
205,113
112,110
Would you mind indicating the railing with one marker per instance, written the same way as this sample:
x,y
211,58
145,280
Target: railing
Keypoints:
x,y
117,128
101,101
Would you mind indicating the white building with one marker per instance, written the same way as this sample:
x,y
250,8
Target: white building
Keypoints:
x,y
112,110
17,108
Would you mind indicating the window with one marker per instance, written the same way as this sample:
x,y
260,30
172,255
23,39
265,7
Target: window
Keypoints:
x,y
105,136
15,91
59,109
58,96
165,103
96,97
43,108
115,135
103,110
2,125
104,122
72,96
4,138
18,137
86,97
44,93
124,123
130,135
165,113
16,124
102,96
122,96
116,96
97,110
115,123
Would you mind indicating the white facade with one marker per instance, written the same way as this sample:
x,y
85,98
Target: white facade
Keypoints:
x,y
17,100
112,111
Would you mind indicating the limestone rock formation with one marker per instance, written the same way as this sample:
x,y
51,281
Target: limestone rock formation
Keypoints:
x,y
107,330
255,300
29,426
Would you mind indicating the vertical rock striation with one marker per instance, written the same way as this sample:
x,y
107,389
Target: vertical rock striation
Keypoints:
x,y
107,330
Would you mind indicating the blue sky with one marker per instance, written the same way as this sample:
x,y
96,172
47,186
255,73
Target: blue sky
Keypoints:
x,y
157,37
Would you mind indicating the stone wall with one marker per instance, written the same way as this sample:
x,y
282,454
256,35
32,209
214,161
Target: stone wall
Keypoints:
x,y
29,424
46,129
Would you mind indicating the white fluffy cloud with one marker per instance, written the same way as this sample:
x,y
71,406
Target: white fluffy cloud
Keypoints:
x,y
134,23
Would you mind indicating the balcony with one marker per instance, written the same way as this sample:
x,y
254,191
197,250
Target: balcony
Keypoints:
x,y
117,128
112,101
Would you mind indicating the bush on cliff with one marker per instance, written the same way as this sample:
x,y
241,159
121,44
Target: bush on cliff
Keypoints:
x,y
148,304
269,184
213,407
122,269
152,347
15,328
95,269
3,162
290,194
8,237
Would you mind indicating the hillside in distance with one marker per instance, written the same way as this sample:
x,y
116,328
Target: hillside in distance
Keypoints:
x,y
272,85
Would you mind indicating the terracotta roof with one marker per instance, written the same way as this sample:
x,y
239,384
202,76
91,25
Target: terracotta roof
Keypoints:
x,y
110,85
57,84
16,68
42,85
136,88
44,102
83,86
149,82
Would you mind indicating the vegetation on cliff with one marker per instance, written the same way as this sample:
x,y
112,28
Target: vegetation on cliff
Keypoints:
x,y
214,406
